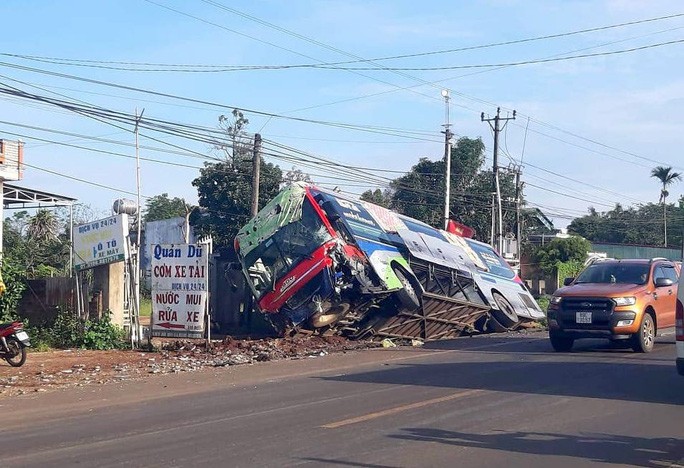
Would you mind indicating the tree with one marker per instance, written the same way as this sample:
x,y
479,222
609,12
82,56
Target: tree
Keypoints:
x,y
240,143
666,177
43,227
296,175
633,225
225,191
572,250
38,245
420,192
162,207
378,197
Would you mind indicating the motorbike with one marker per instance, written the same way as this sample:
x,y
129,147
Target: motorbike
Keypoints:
x,y
13,343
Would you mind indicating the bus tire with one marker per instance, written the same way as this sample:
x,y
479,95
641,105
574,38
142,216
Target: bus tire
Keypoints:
x,y
505,314
407,296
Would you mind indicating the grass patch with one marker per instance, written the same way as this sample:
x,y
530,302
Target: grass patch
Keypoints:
x,y
145,306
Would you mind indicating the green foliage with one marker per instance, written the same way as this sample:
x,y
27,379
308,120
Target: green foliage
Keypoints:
x,y
543,302
640,225
41,337
102,334
569,269
572,251
225,190
37,244
68,331
15,283
162,207
377,197
420,192
145,306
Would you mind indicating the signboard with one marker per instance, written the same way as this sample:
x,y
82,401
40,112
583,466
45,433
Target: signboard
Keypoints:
x,y
100,242
179,289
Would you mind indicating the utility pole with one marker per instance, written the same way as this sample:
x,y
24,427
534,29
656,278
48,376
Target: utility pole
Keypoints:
x,y
135,313
518,193
256,160
495,170
447,157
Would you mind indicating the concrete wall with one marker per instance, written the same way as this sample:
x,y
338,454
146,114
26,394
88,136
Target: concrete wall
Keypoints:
x,y
109,280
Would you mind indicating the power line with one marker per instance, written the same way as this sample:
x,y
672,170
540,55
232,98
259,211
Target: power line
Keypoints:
x,y
215,67
326,66
175,129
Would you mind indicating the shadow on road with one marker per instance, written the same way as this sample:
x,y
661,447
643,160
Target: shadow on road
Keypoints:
x,y
336,462
641,382
538,342
601,448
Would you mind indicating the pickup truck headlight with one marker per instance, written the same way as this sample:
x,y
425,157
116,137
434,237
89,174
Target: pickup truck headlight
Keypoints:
x,y
625,301
556,299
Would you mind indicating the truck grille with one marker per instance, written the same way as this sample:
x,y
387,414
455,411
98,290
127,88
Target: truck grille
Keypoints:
x,y
601,311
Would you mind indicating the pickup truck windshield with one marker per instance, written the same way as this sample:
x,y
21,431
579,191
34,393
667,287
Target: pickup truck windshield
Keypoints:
x,y
613,272
281,252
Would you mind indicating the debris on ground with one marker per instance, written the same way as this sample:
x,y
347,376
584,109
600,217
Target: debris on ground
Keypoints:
x,y
77,368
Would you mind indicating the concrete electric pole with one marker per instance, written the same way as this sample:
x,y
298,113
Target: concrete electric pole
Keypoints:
x,y
256,160
447,157
496,128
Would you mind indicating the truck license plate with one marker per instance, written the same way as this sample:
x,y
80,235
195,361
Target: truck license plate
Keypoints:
x,y
582,317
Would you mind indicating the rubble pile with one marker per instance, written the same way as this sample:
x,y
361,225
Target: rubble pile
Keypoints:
x,y
77,368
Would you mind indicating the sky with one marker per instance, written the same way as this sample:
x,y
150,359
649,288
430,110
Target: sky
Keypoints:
x,y
587,131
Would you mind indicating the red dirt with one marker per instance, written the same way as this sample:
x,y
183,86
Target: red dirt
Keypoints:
x,y
50,370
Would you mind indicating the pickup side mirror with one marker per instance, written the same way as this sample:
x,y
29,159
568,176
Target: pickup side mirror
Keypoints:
x,y
568,281
663,282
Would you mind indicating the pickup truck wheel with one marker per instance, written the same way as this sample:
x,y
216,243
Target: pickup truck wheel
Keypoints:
x,y
561,344
644,339
407,295
505,315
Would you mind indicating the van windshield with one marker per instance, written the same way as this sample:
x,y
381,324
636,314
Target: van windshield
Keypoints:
x,y
613,272
277,255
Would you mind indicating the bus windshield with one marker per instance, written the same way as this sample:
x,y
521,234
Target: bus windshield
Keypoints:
x,y
281,252
495,264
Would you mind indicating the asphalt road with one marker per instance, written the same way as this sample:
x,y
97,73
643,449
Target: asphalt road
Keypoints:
x,y
485,401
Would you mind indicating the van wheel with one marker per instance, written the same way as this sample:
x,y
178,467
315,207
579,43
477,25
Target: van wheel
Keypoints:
x,y
505,314
644,339
561,344
407,295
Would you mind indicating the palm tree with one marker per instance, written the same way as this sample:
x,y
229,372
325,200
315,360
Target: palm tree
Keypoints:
x,y
43,227
667,177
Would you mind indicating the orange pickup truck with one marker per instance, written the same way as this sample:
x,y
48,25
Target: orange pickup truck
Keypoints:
x,y
615,299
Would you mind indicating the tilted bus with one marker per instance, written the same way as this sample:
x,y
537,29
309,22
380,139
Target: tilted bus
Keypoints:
x,y
317,260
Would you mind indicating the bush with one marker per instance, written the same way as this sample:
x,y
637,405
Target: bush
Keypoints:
x,y
543,302
68,331
103,334
15,283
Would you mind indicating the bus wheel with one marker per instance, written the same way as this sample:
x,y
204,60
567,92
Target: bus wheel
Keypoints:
x,y
407,295
505,315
